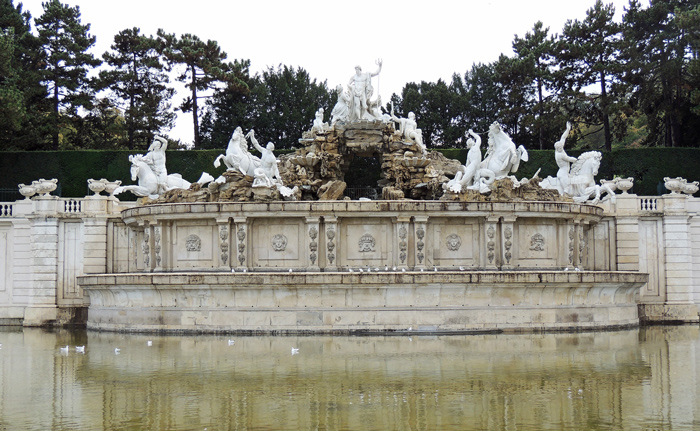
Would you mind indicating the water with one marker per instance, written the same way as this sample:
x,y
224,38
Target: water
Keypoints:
x,y
646,379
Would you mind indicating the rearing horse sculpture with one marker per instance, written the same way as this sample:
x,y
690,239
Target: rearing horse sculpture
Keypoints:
x,y
237,156
147,180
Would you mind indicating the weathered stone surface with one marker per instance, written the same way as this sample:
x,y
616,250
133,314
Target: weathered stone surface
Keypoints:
x,y
331,191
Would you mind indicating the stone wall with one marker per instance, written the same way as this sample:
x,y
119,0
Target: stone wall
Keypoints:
x,y
46,242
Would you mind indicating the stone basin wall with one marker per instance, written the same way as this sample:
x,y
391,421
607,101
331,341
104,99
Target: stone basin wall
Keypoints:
x,y
367,236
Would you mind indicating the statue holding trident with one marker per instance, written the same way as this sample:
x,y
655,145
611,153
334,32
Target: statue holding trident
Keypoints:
x,y
361,88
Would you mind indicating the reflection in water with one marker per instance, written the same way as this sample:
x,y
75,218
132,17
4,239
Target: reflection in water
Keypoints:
x,y
637,379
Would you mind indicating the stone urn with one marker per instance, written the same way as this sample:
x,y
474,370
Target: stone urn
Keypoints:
x,y
27,191
624,184
96,186
44,187
691,188
111,186
674,185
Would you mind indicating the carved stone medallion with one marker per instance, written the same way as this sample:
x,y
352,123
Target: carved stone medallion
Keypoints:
x,y
366,243
279,242
537,242
454,242
193,243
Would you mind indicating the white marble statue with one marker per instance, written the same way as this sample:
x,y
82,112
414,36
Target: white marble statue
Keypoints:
x,y
155,158
582,179
319,126
467,176
148,182
361,92
562,182
268,161
341,110
502,157
237,157
409,129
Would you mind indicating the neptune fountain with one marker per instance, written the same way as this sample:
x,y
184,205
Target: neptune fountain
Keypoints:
x,y
270,246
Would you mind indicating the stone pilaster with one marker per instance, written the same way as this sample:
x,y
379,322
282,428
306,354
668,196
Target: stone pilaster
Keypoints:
x,y
507,233
331,236
158,247
41,297
491,257
627,222
146,247
241,239
224,240
401,241
419,244
312,239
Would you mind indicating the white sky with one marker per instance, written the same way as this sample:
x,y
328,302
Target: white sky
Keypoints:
x,y
423,42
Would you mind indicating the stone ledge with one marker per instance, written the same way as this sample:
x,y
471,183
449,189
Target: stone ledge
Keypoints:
x,y
650,314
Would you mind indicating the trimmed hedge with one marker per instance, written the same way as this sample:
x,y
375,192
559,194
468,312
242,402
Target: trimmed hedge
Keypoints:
x,y
648,166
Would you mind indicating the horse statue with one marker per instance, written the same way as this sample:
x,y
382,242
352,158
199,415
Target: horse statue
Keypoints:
x,y
582,180
237,156
147,180
502,158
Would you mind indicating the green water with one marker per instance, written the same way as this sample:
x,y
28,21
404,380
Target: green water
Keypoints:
x,y
646,379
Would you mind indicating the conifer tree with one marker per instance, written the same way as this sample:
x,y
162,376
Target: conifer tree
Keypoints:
x,y
65,42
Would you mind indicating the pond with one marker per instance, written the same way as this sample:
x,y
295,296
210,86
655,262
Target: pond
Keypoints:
x,y
646,378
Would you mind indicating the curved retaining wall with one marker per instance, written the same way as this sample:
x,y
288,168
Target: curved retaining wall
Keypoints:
x,y
420,302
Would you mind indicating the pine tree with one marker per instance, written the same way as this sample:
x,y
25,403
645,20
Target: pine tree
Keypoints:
x,y
65,42
138,81
205,69
22,103
588,54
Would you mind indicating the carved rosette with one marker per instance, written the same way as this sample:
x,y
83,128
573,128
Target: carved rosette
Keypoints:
x,y
241,235
330,234
491,243
537,242
157,247
508,234
313,245
572,235
223,236
403,244
420,245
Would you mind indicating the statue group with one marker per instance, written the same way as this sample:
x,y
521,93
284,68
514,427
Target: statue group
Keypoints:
x,y
575,177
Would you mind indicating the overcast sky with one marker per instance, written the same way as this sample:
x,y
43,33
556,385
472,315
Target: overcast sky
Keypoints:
x,y
421,42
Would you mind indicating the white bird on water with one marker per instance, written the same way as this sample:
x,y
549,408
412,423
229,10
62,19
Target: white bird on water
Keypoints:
x,y
149,343
117,350
64,349
295,351
80,349
230,342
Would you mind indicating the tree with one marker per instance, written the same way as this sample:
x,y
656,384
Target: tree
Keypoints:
x,y
588,54
65,42
535,60
280,105
204,70
661,52
139,82
12,108
22,102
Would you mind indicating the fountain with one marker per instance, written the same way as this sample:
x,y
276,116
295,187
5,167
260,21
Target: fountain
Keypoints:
x,y
268,247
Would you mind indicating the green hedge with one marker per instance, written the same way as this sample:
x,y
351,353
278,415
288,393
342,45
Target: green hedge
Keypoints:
x,y
648,166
